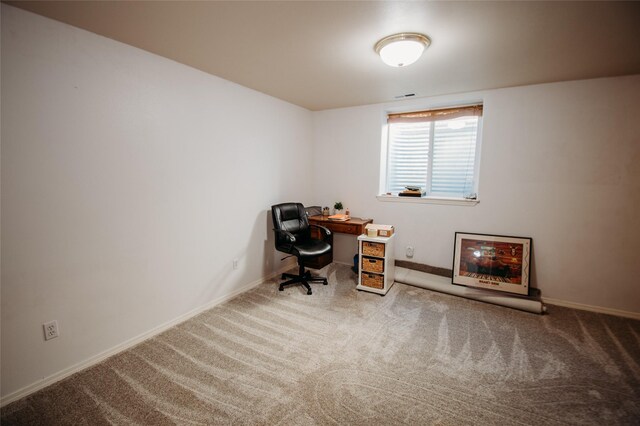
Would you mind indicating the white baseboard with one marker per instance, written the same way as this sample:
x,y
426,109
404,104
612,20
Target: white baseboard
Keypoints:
x,y
591,308
47,381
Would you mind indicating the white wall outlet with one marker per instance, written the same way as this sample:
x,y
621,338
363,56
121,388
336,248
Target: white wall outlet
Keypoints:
x,y
235,263
50,330
409,251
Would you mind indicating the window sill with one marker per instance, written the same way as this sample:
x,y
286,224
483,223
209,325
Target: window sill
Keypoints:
x,y
428,200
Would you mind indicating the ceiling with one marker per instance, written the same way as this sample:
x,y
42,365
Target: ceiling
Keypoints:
x,y
319,54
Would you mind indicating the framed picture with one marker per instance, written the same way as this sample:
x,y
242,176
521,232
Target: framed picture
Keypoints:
x,y
495,262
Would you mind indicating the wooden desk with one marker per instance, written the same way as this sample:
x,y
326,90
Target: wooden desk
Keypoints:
x,y
353,226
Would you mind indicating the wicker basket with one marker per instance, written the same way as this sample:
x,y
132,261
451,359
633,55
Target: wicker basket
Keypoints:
x,y
371,264
372,249
373,280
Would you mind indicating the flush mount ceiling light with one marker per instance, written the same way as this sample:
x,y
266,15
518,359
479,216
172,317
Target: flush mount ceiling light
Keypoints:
x,y
400,50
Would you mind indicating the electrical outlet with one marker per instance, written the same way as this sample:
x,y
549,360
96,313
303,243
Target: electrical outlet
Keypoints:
x,y
409,251
50,330
235,263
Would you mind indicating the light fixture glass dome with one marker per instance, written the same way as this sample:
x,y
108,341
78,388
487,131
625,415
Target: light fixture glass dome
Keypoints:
x,y
400,50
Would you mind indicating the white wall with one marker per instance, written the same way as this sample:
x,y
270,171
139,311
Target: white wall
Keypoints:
x,y
559,163
131,182
129,185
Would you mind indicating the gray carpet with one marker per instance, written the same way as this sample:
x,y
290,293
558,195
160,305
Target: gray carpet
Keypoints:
x,y
346,357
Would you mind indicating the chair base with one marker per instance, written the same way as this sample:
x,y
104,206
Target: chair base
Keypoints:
x,y
304,278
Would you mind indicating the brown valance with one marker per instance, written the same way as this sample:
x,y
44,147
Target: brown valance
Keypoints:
x,y
435,114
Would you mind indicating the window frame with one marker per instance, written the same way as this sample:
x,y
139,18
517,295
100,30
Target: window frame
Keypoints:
x,y
428,199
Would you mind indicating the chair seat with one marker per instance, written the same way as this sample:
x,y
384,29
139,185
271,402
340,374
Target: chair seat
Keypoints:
x,y
311,248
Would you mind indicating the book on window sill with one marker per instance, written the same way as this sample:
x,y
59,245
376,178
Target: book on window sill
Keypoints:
x,y
339,217
409,193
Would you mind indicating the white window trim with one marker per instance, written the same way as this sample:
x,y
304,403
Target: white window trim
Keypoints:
x,y
450,201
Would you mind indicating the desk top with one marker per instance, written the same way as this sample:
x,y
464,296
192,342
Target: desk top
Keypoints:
x,y
353,221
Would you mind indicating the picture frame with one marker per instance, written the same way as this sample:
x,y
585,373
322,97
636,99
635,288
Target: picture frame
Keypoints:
x,y
494,262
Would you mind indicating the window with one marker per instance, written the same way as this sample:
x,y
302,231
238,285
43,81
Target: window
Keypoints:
x,y
436,150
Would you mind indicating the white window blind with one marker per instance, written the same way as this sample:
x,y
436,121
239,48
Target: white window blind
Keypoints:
x,y
435,150
408,155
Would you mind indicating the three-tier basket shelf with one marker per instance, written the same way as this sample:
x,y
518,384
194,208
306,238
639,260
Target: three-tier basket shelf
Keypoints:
x,y
376,272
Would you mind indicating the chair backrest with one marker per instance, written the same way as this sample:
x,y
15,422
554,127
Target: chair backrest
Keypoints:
x,y
290,217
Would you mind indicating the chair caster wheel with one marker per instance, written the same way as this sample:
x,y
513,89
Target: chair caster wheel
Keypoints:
x,y
281,289
325,282
309,292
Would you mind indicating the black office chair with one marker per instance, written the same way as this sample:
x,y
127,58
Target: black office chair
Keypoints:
x,y
293,236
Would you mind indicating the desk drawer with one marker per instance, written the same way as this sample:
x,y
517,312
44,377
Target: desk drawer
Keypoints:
x,y
373,280
344,228
370,264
